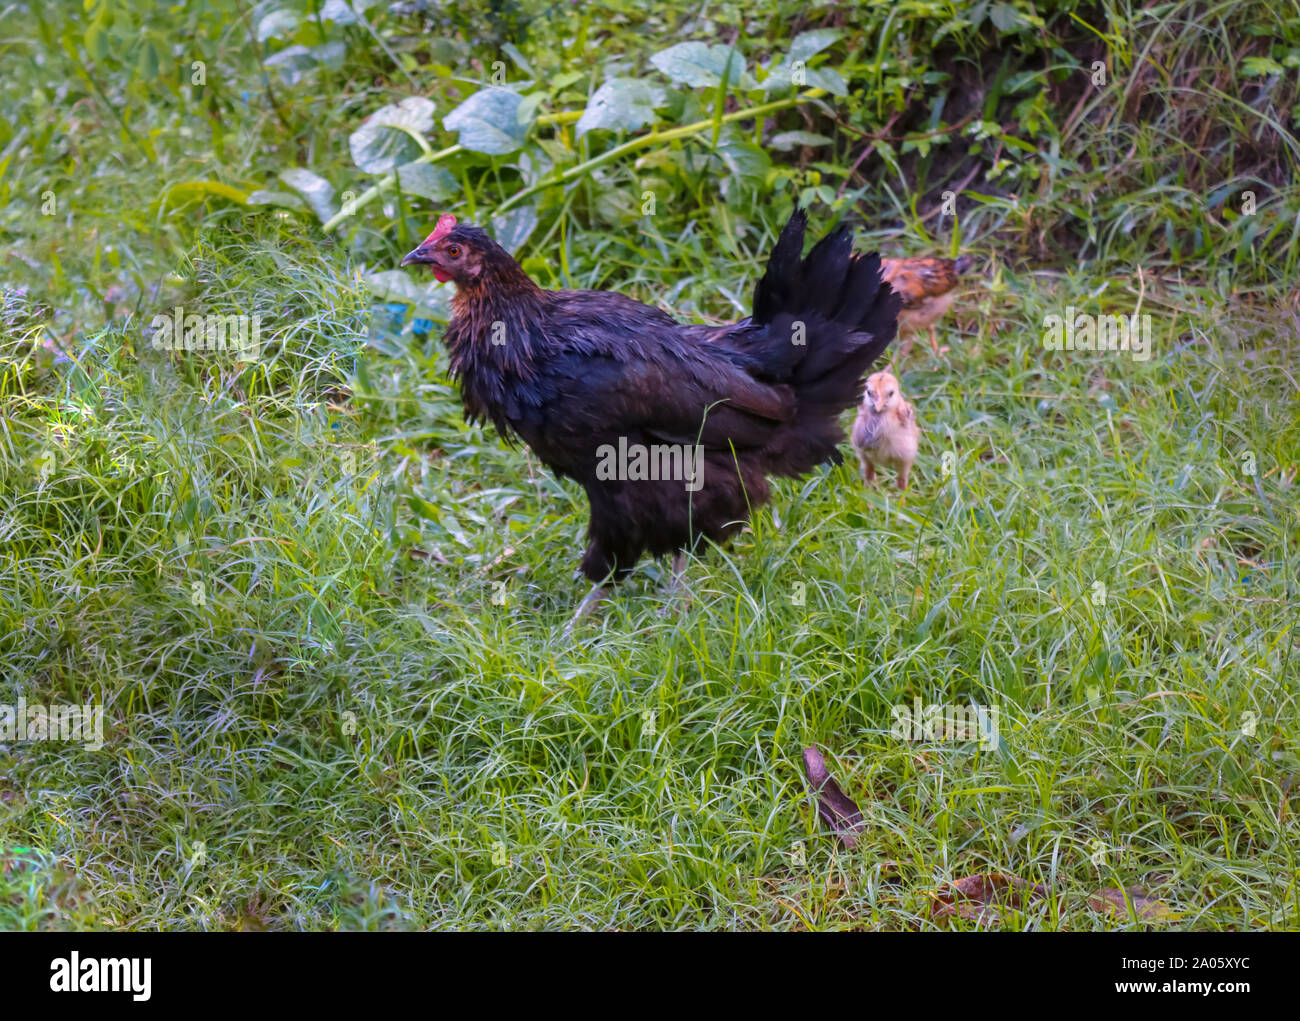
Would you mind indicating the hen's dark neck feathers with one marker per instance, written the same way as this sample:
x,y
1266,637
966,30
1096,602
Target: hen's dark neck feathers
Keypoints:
x,y
496,333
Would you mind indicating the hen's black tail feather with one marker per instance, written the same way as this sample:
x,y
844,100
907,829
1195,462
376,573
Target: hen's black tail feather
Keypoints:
x,y
829,318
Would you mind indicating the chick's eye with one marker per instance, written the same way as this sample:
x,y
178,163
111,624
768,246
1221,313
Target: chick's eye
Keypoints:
x,y
453,251
890,394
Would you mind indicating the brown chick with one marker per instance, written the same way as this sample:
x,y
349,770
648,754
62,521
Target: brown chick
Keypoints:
x,y
885,431
927,288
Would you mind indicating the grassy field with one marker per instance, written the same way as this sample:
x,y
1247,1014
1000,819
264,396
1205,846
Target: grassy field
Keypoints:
x,y
324,618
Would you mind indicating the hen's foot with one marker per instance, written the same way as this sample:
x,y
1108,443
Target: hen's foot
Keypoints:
x,y
589,603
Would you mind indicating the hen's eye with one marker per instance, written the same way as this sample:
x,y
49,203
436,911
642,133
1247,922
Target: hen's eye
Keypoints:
x,y
453,251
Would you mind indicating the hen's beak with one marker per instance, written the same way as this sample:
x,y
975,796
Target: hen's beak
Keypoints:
x,y
418,257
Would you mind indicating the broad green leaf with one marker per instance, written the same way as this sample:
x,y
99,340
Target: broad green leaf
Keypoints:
x,y
528,107
1004,17
432,183
534,164
187,190
330,54
701,64
783,78
1025,79
512,229
316,191
778,79
1254,67
827,78
621,104
281,22
292,59
338,11
392,135
744,159
488,122
512,51
282,199
807,44
395,285
787,140
920,145
563,81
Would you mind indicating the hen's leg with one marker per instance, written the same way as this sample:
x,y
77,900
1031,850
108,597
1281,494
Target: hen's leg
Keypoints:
x,y
934,344
589,602
600,567
679,593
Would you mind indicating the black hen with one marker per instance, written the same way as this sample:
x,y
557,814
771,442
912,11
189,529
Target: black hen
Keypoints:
x,y
670,429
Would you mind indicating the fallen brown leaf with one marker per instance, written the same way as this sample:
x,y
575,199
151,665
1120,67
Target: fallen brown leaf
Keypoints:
x,y
1113,902
983,898
837,809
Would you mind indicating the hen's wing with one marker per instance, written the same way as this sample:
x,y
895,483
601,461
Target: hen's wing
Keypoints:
x,y
622,368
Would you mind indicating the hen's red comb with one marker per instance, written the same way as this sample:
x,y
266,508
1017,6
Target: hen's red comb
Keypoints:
x,y
445,224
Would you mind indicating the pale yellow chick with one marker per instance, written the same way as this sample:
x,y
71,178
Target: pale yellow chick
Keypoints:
x,y
885,431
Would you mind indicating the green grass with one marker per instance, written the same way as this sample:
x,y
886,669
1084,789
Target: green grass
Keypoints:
x,y
324,617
